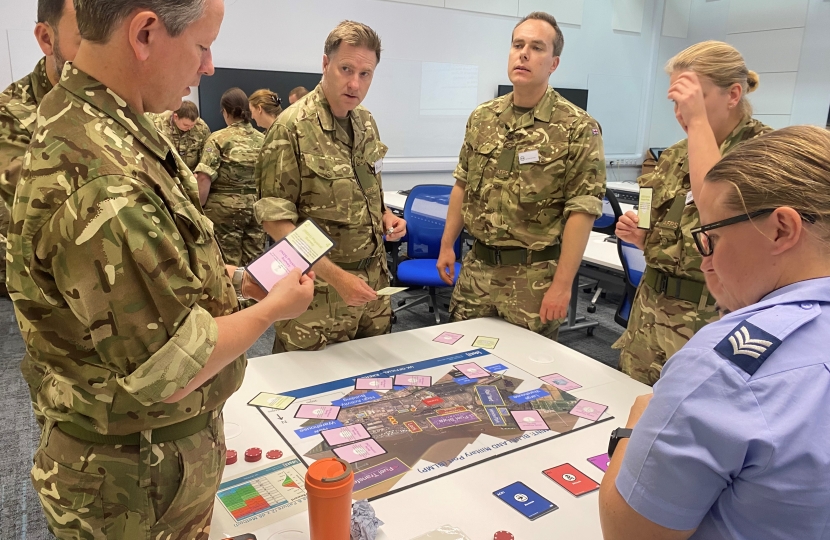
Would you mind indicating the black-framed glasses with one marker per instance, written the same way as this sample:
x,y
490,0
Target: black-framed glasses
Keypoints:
x,y
705,244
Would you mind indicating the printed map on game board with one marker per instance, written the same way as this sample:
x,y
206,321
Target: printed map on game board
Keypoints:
x,y
440,415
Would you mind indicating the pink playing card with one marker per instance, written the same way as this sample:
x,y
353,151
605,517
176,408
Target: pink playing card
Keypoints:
x,y
588,409
562,383
359,451
413,380
449,338
345,434
374,384
276,264
529,420
317,412
472,370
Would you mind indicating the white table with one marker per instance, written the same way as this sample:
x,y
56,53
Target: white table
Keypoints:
x,y
464,498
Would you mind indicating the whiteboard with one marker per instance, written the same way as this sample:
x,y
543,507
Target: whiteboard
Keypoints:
x,y
397,103
448,89
615,102
24,52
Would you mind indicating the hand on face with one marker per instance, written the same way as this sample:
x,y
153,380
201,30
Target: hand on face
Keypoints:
x,y
687,93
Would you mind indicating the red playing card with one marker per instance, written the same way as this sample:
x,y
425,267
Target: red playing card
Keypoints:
x,y
571,479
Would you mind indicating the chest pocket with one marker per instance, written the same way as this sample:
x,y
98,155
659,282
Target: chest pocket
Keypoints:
x,y
328,188
368,177
477,161
196,231
543,180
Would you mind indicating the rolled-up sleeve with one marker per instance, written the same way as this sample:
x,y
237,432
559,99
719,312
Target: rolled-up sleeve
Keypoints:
x,y
691,443
210,159
278,177
115,253
585,171
177,362
461,169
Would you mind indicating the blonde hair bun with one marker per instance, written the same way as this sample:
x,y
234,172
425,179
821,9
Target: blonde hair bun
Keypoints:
x,y
752,82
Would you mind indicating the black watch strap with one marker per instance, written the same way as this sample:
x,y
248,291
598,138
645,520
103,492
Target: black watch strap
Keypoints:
x,y
616,436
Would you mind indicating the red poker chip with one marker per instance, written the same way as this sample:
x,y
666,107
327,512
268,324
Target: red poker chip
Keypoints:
x,y
274,454
230,457
253,454
503,535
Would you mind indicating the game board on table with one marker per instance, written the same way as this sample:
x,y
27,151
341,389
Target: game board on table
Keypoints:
x,y
410,424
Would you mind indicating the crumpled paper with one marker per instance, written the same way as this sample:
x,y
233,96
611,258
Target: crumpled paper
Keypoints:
x,y
364,522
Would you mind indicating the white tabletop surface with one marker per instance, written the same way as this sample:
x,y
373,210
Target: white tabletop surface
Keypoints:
x,y
630,187
602,253
464,498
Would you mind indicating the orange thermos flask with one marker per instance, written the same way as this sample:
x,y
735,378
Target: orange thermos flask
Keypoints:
x,y
329,483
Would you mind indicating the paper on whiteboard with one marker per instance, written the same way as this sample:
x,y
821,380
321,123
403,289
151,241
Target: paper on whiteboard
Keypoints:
x,y
448,89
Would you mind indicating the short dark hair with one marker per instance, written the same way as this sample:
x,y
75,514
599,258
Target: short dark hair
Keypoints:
x,y
97,19
188,110
50,11
235,103
298,92
558,39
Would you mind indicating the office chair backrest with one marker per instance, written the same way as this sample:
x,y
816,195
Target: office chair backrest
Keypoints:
x,y
425,213
633,261
634,265
611,212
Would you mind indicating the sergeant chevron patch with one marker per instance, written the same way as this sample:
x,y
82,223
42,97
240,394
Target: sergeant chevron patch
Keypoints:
x,y
747,346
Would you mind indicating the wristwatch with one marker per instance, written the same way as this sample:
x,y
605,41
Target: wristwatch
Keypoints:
x,y
236,280
616,436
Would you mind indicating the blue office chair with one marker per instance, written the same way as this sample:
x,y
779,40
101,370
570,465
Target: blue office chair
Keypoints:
x,y
605,224
634,264
611,212
425,213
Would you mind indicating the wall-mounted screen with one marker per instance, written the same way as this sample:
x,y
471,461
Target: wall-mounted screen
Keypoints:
x,y
576,96
249,80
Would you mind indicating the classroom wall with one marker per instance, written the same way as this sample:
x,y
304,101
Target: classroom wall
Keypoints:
x,y
786,41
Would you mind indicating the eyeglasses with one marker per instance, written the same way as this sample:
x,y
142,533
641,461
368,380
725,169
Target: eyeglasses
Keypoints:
x,y
705,244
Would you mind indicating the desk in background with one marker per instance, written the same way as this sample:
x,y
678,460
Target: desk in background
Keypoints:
x,y
464,498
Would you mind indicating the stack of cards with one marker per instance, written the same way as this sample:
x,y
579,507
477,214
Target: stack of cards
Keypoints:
x,y
302,248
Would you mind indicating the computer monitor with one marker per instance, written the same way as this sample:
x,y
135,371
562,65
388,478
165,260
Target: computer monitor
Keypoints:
x,y
577,96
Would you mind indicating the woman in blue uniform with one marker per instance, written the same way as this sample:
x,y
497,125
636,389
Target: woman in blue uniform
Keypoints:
x,y
734,443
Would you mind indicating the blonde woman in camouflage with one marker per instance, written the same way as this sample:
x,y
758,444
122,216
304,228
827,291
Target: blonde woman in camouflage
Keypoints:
x,y
265,107
708,85
227,187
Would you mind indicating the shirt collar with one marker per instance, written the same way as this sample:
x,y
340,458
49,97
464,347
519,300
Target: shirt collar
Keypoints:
x,y
99,96
41,85
543,111
811,290
328,122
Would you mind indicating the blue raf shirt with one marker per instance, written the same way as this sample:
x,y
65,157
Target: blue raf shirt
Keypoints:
x,y
736,440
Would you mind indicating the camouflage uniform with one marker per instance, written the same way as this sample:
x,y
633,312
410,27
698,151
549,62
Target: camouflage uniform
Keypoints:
x,y
308,170
229,158
672,301
189,143
116,280
513,205
18,112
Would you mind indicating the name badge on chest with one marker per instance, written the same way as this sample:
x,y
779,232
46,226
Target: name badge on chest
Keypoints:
x,y
531,156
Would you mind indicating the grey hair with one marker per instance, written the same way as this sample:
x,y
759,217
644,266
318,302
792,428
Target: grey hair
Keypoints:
x,y
97,19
